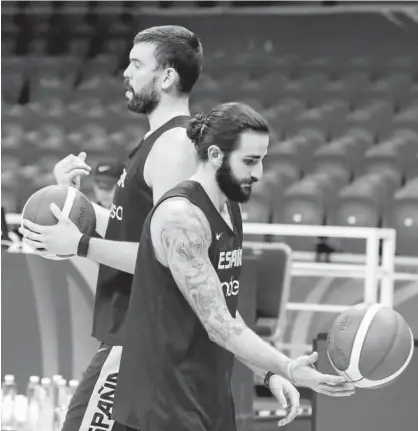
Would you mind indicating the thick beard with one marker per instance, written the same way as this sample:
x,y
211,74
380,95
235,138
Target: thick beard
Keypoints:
x,y
146,101
230,186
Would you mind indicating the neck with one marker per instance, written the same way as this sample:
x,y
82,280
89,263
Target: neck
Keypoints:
x,y
168,109
207,178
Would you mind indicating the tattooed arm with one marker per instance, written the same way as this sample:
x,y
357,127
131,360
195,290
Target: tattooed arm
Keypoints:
x,y
256,370
181,237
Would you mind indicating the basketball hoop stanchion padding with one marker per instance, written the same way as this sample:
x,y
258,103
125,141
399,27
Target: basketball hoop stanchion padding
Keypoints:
x,y
243,378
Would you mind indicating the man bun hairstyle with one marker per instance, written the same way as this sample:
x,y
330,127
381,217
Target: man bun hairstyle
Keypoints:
x,y
223,126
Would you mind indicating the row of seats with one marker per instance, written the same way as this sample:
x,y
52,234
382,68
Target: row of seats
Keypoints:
x,y
49,77
324,198
289,117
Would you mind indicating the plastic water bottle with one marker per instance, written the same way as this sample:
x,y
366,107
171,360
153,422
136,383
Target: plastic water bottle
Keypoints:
x,y
60,403
33,403
46,411
9,391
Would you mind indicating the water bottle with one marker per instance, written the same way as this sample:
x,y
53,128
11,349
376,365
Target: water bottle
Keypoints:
x,y
60,403
33,404
9,391
46,411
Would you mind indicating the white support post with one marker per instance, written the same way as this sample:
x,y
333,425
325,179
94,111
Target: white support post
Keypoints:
x,y
388,263
372,262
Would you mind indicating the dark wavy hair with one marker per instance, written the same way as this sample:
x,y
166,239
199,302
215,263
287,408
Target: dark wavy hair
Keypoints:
x,y
223,126
176,47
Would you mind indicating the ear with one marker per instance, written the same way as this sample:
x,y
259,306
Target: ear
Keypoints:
x,y
169,79
215,155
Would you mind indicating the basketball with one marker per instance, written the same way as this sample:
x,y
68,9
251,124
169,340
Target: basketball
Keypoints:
x,y
370,344
74,205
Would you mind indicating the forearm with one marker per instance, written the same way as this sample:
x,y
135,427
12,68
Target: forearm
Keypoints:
x,y
256,370
248,347
116,254
102,219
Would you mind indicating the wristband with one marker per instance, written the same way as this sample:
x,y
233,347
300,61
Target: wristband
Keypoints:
x,y
267,378
83,246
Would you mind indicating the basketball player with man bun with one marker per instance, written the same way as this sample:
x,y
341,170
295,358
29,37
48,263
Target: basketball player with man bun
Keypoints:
x,y
183,329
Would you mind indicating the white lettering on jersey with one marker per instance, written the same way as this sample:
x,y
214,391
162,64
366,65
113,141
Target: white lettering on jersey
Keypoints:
x,y
116,212
230,259
121,180
231,288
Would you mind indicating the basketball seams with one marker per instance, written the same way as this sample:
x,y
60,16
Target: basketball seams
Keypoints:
x,y
353,369
372,383
387,352
69,201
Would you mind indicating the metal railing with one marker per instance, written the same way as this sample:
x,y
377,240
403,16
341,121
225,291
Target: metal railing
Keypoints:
x,y
375,271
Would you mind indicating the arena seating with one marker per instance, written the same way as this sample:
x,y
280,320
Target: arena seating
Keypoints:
x,y
345,130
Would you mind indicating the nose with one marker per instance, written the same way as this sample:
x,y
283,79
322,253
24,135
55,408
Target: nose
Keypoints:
x,y
126,73
257,172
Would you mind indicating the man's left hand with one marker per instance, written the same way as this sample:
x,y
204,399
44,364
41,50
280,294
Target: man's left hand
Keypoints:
x,y
59,239
303,373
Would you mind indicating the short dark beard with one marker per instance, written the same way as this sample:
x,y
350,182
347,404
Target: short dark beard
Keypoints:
x,y
146,101
229,184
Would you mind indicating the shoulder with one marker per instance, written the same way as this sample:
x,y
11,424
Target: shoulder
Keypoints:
x,y
177,224
180,213
175,142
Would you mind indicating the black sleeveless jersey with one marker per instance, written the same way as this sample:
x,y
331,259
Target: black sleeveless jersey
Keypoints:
x,y
131,205
172,376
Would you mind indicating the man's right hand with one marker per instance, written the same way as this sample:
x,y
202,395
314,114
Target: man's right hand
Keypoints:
x,y
67,171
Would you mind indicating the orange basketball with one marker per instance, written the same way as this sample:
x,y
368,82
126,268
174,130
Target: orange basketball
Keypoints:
x,y
74,204
370,344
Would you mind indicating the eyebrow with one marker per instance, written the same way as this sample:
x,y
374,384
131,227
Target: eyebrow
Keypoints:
x,y
135,59
253,157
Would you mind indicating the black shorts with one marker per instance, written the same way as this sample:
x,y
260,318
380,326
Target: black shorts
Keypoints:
x,y
90,408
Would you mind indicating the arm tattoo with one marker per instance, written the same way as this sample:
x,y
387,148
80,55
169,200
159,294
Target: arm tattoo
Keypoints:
x,y
186,236
256,370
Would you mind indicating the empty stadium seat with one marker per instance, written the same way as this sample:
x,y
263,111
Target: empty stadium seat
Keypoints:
x,y
303,203
343,153
407,119
401,65
48,87
359,64
327,66
359,204
397,155
281,115
12,87
100,65
391,88
312,119
295,152
374,118
403,216
79,46
335,111
105,89
294,90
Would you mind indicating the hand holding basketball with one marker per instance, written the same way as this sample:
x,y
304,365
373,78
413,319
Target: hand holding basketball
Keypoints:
x,y
59,239
303,373
287,395
67,171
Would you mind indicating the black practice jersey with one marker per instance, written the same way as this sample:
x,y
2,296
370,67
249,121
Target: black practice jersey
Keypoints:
x,y
172,376
131,204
